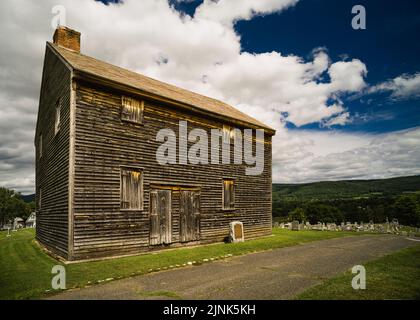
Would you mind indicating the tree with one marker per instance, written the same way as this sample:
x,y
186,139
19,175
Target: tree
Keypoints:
x,y
407,210
322,212
297,214
12,205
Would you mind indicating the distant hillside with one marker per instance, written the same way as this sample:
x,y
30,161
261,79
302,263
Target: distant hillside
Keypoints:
x,y
328,190
28,198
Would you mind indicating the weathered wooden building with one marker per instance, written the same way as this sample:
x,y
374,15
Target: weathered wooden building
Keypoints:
x,y
100,190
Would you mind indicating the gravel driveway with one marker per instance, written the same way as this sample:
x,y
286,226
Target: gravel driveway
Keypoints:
x,y
276,274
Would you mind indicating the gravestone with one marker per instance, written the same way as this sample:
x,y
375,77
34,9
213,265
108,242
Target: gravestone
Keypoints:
x,y
236,231
348,227
295,225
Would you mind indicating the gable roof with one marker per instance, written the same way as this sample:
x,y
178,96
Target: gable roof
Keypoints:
x,y
104,70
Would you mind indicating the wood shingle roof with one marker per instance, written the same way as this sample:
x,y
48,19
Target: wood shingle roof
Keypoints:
x,y
104,70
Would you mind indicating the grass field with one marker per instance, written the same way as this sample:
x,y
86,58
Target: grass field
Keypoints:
x,y
395,276
25,270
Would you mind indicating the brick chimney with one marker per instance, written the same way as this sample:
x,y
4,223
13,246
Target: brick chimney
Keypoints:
x,y
67,38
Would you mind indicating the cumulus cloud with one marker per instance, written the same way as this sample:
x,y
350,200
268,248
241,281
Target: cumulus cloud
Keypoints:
x,y
354,156
229,11
402,87
201,53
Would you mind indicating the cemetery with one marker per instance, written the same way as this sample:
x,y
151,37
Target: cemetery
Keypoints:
x,y
392,227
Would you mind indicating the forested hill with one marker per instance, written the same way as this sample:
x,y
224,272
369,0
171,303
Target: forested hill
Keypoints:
x,y
346,189
347,200
28,198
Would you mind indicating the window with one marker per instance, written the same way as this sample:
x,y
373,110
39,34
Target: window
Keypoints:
x,y
40,145
57,115
131,189
228,194
39,198
228,133
132,110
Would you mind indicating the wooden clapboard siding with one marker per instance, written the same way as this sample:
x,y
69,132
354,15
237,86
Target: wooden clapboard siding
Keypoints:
x,y
52,169
104,143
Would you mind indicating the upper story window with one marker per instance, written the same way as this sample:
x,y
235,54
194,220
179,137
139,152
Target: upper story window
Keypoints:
x,y
131,189
228,194
132,109
40,146
228,133
57,116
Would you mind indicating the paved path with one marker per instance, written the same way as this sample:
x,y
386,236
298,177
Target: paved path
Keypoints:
x,y
276,274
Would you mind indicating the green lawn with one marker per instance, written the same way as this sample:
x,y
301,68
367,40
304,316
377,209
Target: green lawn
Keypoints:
x,y
25,270
395,276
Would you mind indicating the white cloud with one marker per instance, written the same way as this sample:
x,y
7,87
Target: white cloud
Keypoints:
x,y
355,156
402,87
201,53
228,11
339,120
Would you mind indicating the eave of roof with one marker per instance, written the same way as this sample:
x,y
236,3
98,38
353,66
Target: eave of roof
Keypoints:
x,y
103,71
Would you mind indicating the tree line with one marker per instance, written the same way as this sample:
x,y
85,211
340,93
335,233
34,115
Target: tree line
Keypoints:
x,y
404,207
12,206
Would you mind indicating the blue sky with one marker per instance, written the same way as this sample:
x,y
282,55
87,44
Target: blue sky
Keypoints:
x,y
389,47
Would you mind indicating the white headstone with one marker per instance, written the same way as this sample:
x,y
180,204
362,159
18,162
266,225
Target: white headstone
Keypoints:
x,y
295,225
236,231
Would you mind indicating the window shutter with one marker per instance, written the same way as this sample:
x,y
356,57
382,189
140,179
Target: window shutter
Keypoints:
x,y
154,219
197,215
124,199
225,194
131,189
40,145
232,195
228,194
39,199
226,133
132,110
57,116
